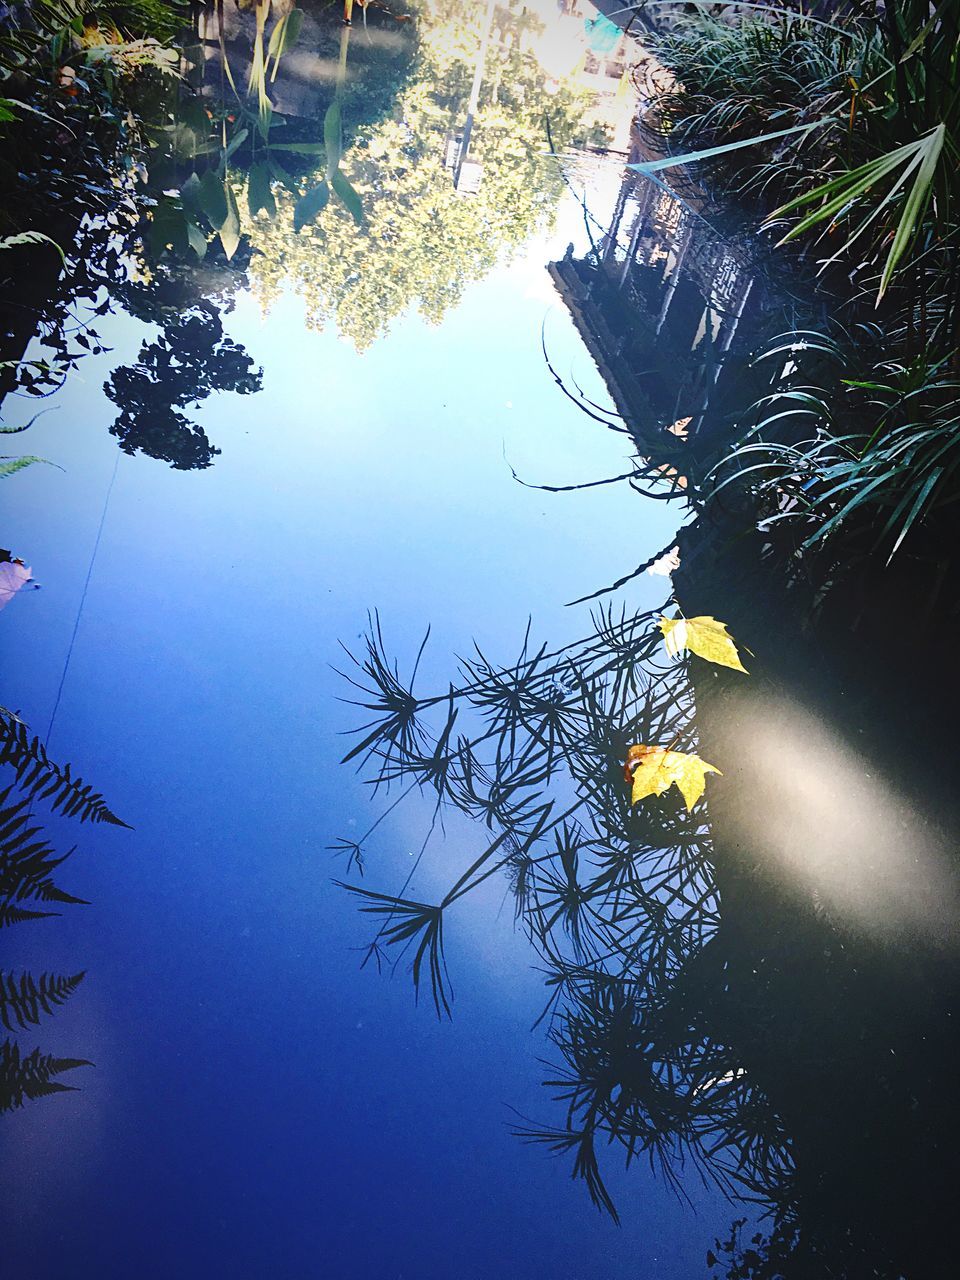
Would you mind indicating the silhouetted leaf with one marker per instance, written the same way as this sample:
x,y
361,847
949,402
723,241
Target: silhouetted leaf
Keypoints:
x,y
41,778
230,230
259,192
347,194
310,204
212,197
29,1077
23,999
198,241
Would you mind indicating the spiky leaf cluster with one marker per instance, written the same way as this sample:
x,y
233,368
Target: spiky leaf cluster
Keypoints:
x,y
619,900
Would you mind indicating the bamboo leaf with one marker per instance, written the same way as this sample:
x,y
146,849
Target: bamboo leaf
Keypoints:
x,y
693,157
348,195
230,230
211,194
333,137
283,37
310,204
198,241
259,190
915,204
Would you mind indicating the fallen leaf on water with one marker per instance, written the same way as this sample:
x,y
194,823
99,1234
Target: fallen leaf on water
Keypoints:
x,y
653,770
704,636
666,564
13,575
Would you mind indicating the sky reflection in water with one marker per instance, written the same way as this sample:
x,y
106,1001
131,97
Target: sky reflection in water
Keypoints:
x,y
258,1103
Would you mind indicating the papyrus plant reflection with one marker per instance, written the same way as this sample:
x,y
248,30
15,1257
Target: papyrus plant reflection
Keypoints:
x,y
618,899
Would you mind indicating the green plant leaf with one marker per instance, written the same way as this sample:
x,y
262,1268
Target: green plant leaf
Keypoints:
x,y
917,507
915,204
692,157
928,26
8,466
282,176
283,37
198,241
230,229
213,199
191,194
300,148
237,140
348,195
333,137
310,204
259,190
30,237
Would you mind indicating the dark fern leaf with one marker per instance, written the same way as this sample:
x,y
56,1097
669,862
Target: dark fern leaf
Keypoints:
x,y
23,999
11,914
26,860
41,778
25,1078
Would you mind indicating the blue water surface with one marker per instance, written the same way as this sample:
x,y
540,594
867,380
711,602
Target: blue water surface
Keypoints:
x,y
260,1105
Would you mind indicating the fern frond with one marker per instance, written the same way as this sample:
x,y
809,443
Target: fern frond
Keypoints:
x,y
23,999
10,914
40,778
25,1078
26,859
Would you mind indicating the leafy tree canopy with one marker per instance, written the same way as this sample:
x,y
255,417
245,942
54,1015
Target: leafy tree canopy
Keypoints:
x,y
420,241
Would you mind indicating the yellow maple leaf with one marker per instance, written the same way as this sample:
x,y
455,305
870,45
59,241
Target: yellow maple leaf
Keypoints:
x,y
704,636
656,769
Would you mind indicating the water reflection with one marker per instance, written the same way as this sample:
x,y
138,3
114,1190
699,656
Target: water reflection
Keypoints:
x,y
191,358
763,999
28,892
422,241
711,1013
297,154
658,301
708,1012
619,900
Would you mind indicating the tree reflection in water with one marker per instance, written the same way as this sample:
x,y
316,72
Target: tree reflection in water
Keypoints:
x,y
191,359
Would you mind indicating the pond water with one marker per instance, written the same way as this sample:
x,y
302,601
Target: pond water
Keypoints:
x,y
258,1102
255,455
